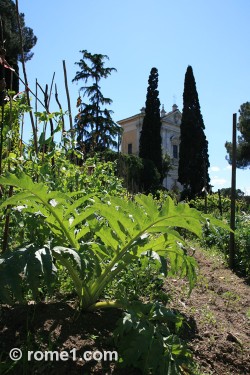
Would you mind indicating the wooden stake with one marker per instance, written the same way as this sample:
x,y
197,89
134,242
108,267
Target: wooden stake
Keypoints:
x,y
59,105
233,194
220,204
69,105
26,80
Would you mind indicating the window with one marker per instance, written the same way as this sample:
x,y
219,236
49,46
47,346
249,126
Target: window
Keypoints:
x,y
175,151
130,148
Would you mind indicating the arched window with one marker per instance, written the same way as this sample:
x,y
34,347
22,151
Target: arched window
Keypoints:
x,y
175,151
175,146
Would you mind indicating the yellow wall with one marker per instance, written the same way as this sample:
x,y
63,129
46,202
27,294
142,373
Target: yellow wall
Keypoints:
x,y
129,137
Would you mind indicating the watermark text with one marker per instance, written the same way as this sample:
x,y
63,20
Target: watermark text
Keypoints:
x,y
54,356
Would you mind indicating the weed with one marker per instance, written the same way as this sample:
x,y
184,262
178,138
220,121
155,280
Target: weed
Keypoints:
x,y
212,297
202,283
231,299
248,314
207,316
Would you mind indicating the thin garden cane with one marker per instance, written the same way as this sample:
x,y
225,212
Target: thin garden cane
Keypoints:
x,y
7,217
26,81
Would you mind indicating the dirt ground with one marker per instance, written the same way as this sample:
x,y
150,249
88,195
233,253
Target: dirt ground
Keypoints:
x,y
218,314
217,329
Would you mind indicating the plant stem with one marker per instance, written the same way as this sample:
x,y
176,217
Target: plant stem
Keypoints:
x,y
107,305
26,80
7,222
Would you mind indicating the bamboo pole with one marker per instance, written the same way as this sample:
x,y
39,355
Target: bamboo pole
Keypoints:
x,y
26,80
69,105
233,194
60,107
51,87
46,102
36,107
2,93
1,137
220,204
7,217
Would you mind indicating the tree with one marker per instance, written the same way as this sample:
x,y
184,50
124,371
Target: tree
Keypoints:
x,y
11,40
243,145
193,156
96,131
226,192
150,139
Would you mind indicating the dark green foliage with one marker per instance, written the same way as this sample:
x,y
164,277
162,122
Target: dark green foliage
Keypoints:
x,y
242,243
219,237
143,280
12,40
150,179
146,339
193,162
27,268
150,139
13,112
226,192
128,167
96,131
243,145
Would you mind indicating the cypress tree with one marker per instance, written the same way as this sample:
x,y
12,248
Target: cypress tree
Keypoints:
x,y
193,156
150,139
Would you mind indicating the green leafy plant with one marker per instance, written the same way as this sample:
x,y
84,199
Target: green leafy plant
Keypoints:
x,y
219,238
146,339
142,280
23,266
95,239
242,240
214,202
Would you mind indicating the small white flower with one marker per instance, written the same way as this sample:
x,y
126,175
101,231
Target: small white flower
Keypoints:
x,y
114,267
53,202
37,213
19,208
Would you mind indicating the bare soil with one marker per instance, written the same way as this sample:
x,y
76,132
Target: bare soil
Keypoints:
x,y
217,313
217,328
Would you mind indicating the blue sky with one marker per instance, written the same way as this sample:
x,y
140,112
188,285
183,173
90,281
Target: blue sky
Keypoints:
x,y
211,36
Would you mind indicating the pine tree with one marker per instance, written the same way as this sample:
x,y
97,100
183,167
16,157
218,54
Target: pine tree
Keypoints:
x,y
96,131
193,155
150,139
243,144
9,38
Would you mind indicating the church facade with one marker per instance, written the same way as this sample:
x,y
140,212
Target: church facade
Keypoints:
x,y
170,135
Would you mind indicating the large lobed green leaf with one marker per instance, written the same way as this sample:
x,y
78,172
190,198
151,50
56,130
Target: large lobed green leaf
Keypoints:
x,y
59,210
120,230
27,269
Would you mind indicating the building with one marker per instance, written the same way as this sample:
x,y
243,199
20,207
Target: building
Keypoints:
x,y
170,134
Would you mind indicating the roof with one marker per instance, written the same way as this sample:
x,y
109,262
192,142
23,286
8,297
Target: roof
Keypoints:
x,y
142,114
